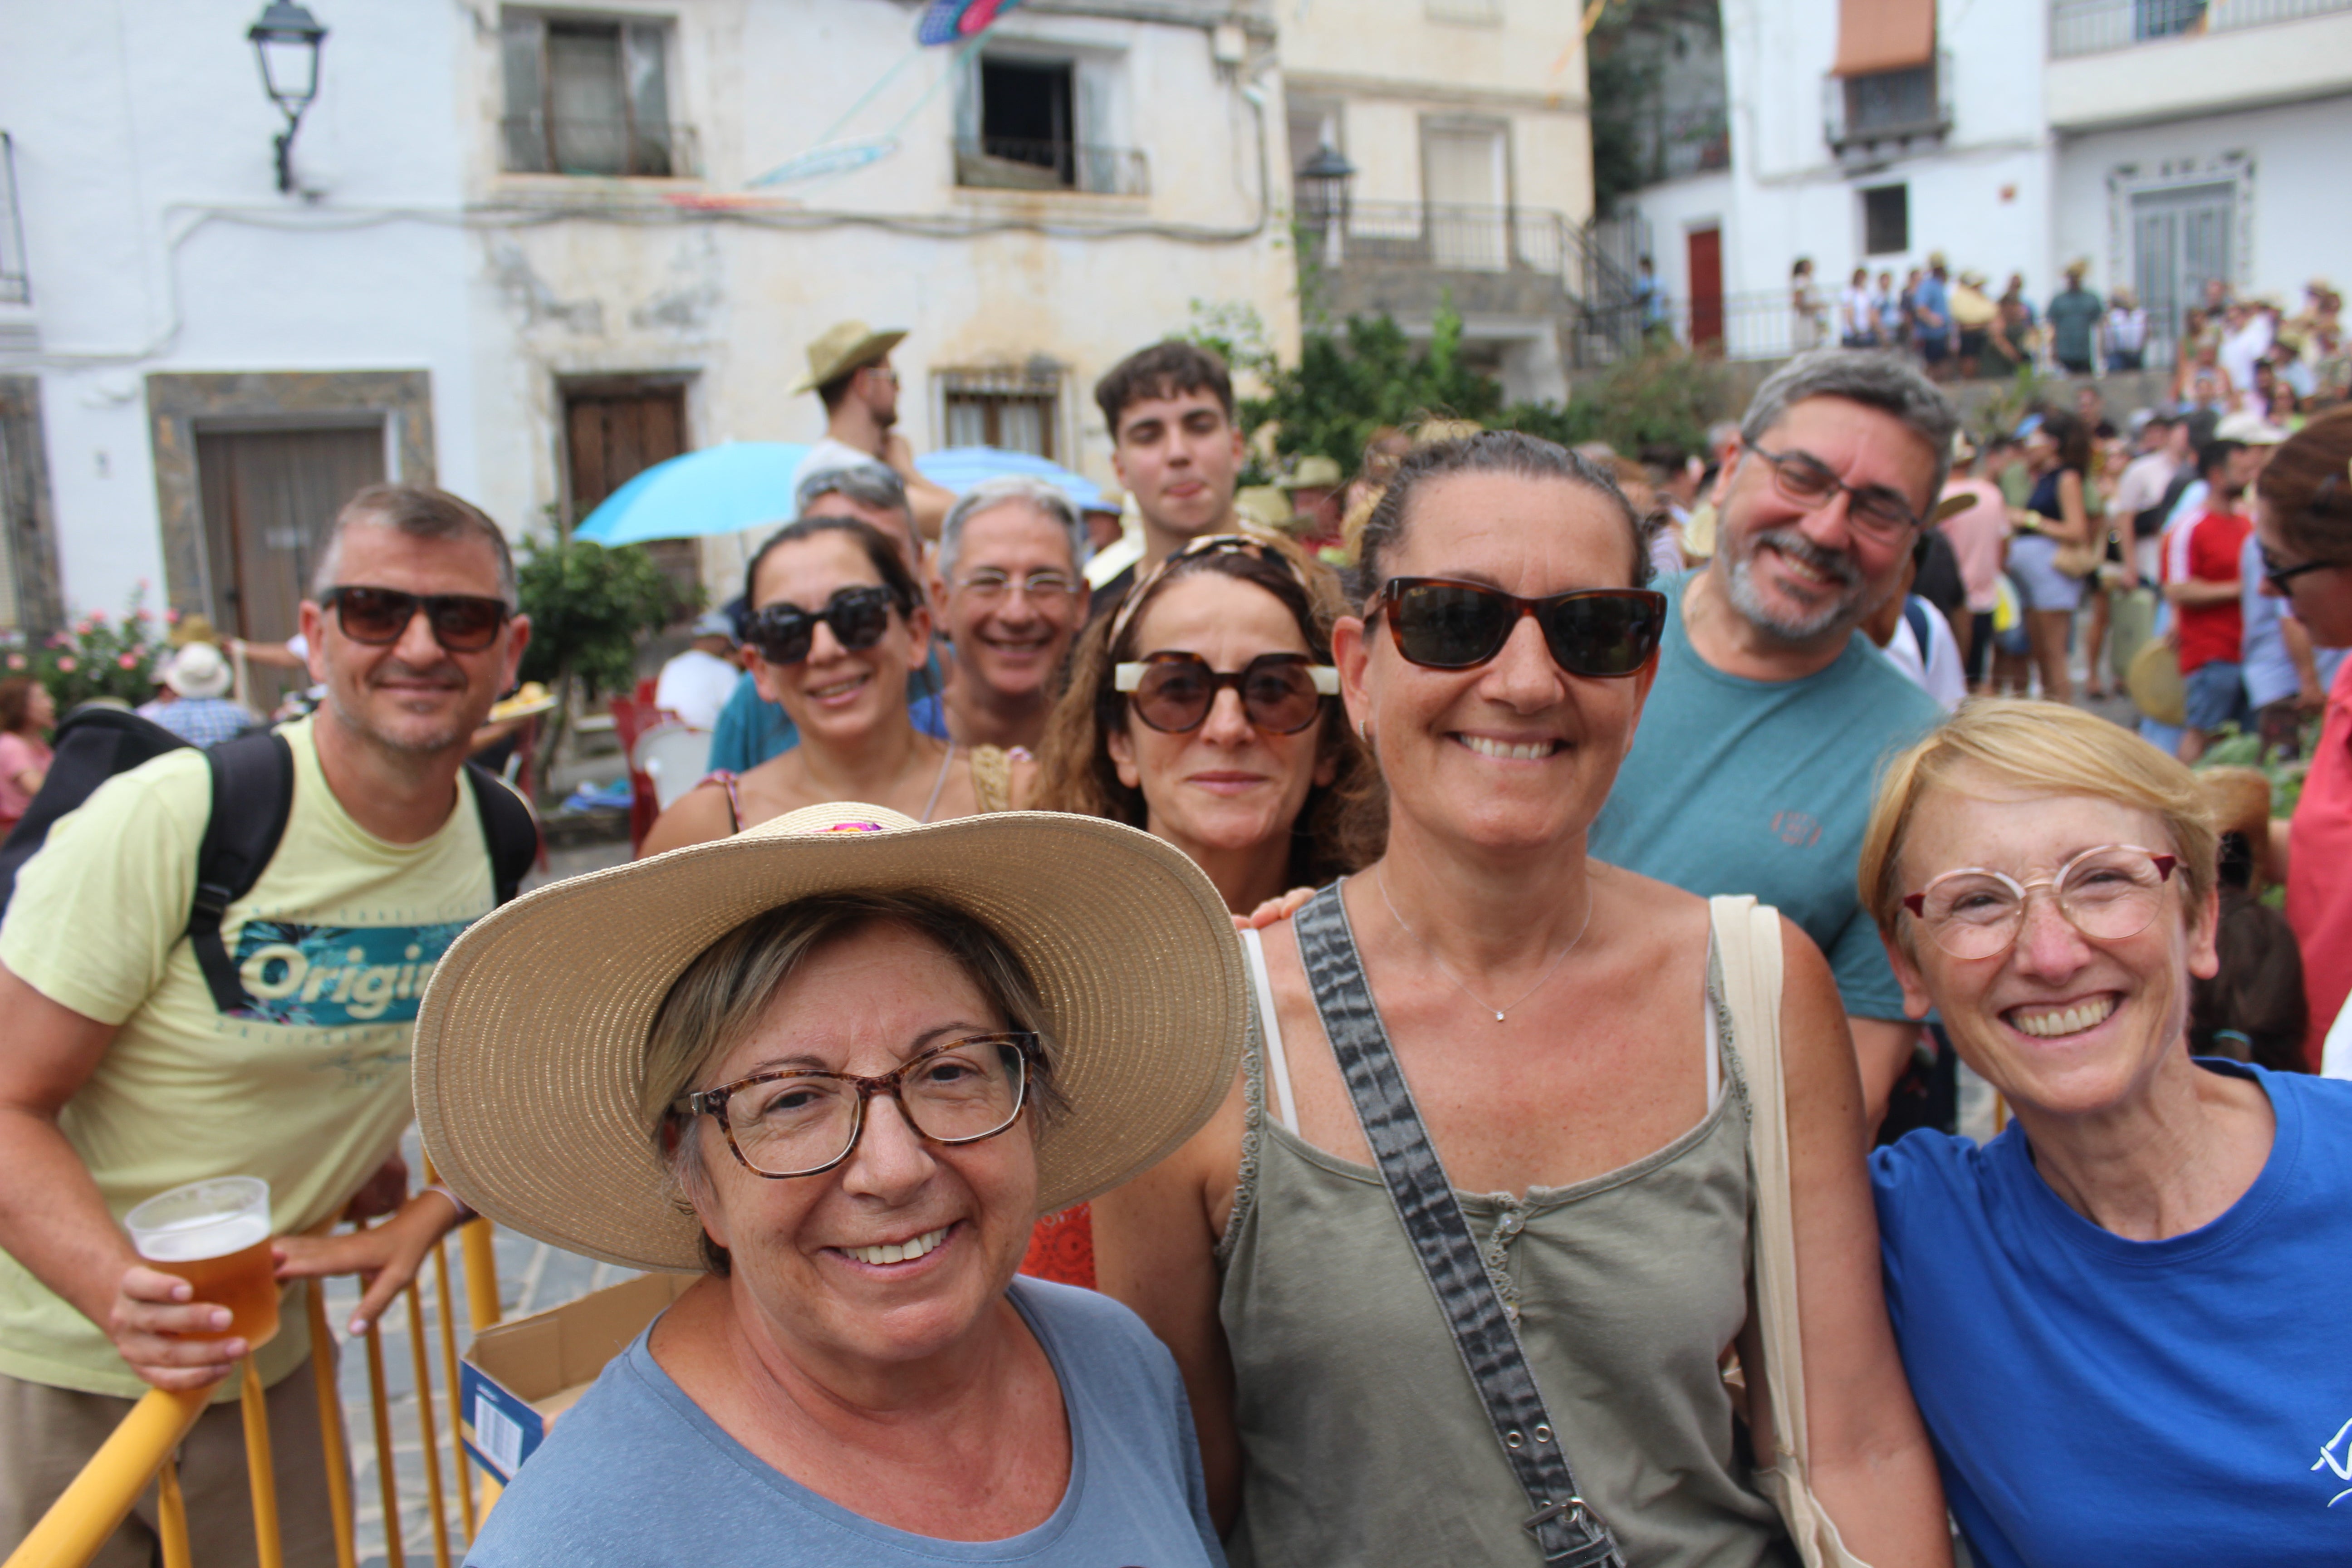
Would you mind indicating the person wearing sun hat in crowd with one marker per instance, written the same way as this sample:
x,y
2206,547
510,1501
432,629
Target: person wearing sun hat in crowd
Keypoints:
x,y
201,712
849,1060
850,370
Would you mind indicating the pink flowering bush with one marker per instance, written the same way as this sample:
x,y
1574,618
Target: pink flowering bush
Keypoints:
x,y
98,657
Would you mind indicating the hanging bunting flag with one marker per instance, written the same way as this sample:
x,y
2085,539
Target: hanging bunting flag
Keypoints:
x,y
952,21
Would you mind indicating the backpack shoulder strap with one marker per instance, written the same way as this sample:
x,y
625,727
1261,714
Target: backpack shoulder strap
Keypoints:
x,y
253,794
508,829
1914,612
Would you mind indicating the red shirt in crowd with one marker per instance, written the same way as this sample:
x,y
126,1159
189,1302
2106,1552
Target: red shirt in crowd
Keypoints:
x,y
2319,868
2207,551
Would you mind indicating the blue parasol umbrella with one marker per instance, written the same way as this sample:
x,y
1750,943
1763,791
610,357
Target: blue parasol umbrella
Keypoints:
x,y
959,469
720,489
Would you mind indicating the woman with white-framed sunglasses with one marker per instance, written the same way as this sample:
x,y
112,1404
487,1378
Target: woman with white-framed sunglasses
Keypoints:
x,y
1205,711
2110,1314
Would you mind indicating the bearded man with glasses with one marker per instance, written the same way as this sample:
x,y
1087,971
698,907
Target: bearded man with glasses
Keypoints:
x,y
1752,769
146,1050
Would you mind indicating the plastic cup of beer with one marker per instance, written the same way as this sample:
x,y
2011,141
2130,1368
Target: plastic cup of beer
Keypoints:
x,y
215,1236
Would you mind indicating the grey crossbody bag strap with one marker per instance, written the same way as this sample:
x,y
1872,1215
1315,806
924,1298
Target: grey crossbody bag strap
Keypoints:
x,y
1566,1527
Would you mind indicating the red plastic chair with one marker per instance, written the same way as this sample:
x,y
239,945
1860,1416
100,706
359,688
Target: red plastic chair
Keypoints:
x,y
632,716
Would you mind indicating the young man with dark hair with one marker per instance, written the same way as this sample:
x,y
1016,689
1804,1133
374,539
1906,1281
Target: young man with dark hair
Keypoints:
x,y
1175,447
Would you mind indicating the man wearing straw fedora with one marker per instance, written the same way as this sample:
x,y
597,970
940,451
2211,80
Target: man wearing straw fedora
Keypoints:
x,y
163,1027
843,1063
850,370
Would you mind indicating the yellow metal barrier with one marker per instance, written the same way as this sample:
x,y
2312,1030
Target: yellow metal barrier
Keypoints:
x,y
143,1449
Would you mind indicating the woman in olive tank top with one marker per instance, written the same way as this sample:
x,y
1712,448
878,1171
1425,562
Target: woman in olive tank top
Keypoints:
x,y
1553,1019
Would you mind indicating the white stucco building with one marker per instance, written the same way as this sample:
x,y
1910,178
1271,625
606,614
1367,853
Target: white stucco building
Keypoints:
x,y
2166,140
526,256
1467,125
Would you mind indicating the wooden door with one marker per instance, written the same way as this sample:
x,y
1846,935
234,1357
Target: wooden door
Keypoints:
x,y
269,498
613,435
1706,262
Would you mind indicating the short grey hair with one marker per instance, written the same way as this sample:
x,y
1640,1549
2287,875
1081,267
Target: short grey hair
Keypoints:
x,y
419,511
1871,378
868,484
1042,494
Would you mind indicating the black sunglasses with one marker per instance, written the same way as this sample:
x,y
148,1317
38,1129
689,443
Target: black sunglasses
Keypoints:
x,y
461,622
1281,693
1444,624
784,633
2278,576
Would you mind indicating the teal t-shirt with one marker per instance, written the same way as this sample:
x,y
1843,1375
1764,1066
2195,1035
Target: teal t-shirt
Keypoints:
x,y
1764,787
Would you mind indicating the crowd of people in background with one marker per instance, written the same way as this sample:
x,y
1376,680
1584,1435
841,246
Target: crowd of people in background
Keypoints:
x,y
1588,857
2231,354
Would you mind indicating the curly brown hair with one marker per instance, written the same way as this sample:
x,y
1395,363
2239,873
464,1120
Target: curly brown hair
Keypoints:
x,y
1341,826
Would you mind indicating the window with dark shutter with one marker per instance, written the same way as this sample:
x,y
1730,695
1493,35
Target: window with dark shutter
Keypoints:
x,y
588,97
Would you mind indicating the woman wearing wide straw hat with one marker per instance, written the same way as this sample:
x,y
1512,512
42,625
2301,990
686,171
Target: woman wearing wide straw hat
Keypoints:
x,y
838,625
839,1065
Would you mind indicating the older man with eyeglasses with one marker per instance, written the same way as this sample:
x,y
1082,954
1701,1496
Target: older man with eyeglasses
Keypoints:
x,y
1753,766
1006,589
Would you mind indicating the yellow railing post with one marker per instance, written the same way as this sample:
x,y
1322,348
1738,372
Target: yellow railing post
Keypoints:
x,y
261,1472
476,1248
331,1428
87,1511
172,1517
394,1555
459,1473
423,1359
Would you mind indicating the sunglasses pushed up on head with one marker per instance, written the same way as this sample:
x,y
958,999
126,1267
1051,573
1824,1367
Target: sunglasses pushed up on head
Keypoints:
x,y
1599,632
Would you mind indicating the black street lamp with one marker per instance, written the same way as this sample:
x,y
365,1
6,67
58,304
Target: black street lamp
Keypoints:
x,y
287,41
1323,184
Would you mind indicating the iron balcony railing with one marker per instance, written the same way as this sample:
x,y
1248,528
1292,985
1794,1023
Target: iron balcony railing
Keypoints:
x,y
15,282
1012,163
611,149
1443,238
1867,116
2096,26
1762,325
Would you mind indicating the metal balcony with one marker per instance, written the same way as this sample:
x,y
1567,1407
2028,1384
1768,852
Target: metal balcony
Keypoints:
x,y
16,283
2096,26
1885,115
1010,163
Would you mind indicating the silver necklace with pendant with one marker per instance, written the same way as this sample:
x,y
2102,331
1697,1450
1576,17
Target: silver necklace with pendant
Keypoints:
x,y
1379,879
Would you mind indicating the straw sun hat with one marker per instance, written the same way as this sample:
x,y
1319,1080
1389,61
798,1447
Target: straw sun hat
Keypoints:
x,y
530,1041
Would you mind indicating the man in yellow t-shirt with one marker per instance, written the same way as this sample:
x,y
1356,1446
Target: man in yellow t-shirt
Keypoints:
x,y
123,1077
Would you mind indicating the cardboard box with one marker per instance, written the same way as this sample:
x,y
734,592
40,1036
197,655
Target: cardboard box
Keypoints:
x,y
520,1376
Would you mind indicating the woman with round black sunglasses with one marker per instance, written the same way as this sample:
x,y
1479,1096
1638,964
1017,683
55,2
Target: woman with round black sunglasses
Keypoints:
x,y
837,625
1555,1021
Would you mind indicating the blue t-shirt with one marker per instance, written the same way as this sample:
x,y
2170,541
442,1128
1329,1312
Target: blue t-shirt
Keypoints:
x,y
2095,1399
636,1475
1764,787
2269,670
751,729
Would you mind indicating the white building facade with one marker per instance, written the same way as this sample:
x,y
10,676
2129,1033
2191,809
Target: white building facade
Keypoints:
x,y
2164,141
1468,129
527,256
